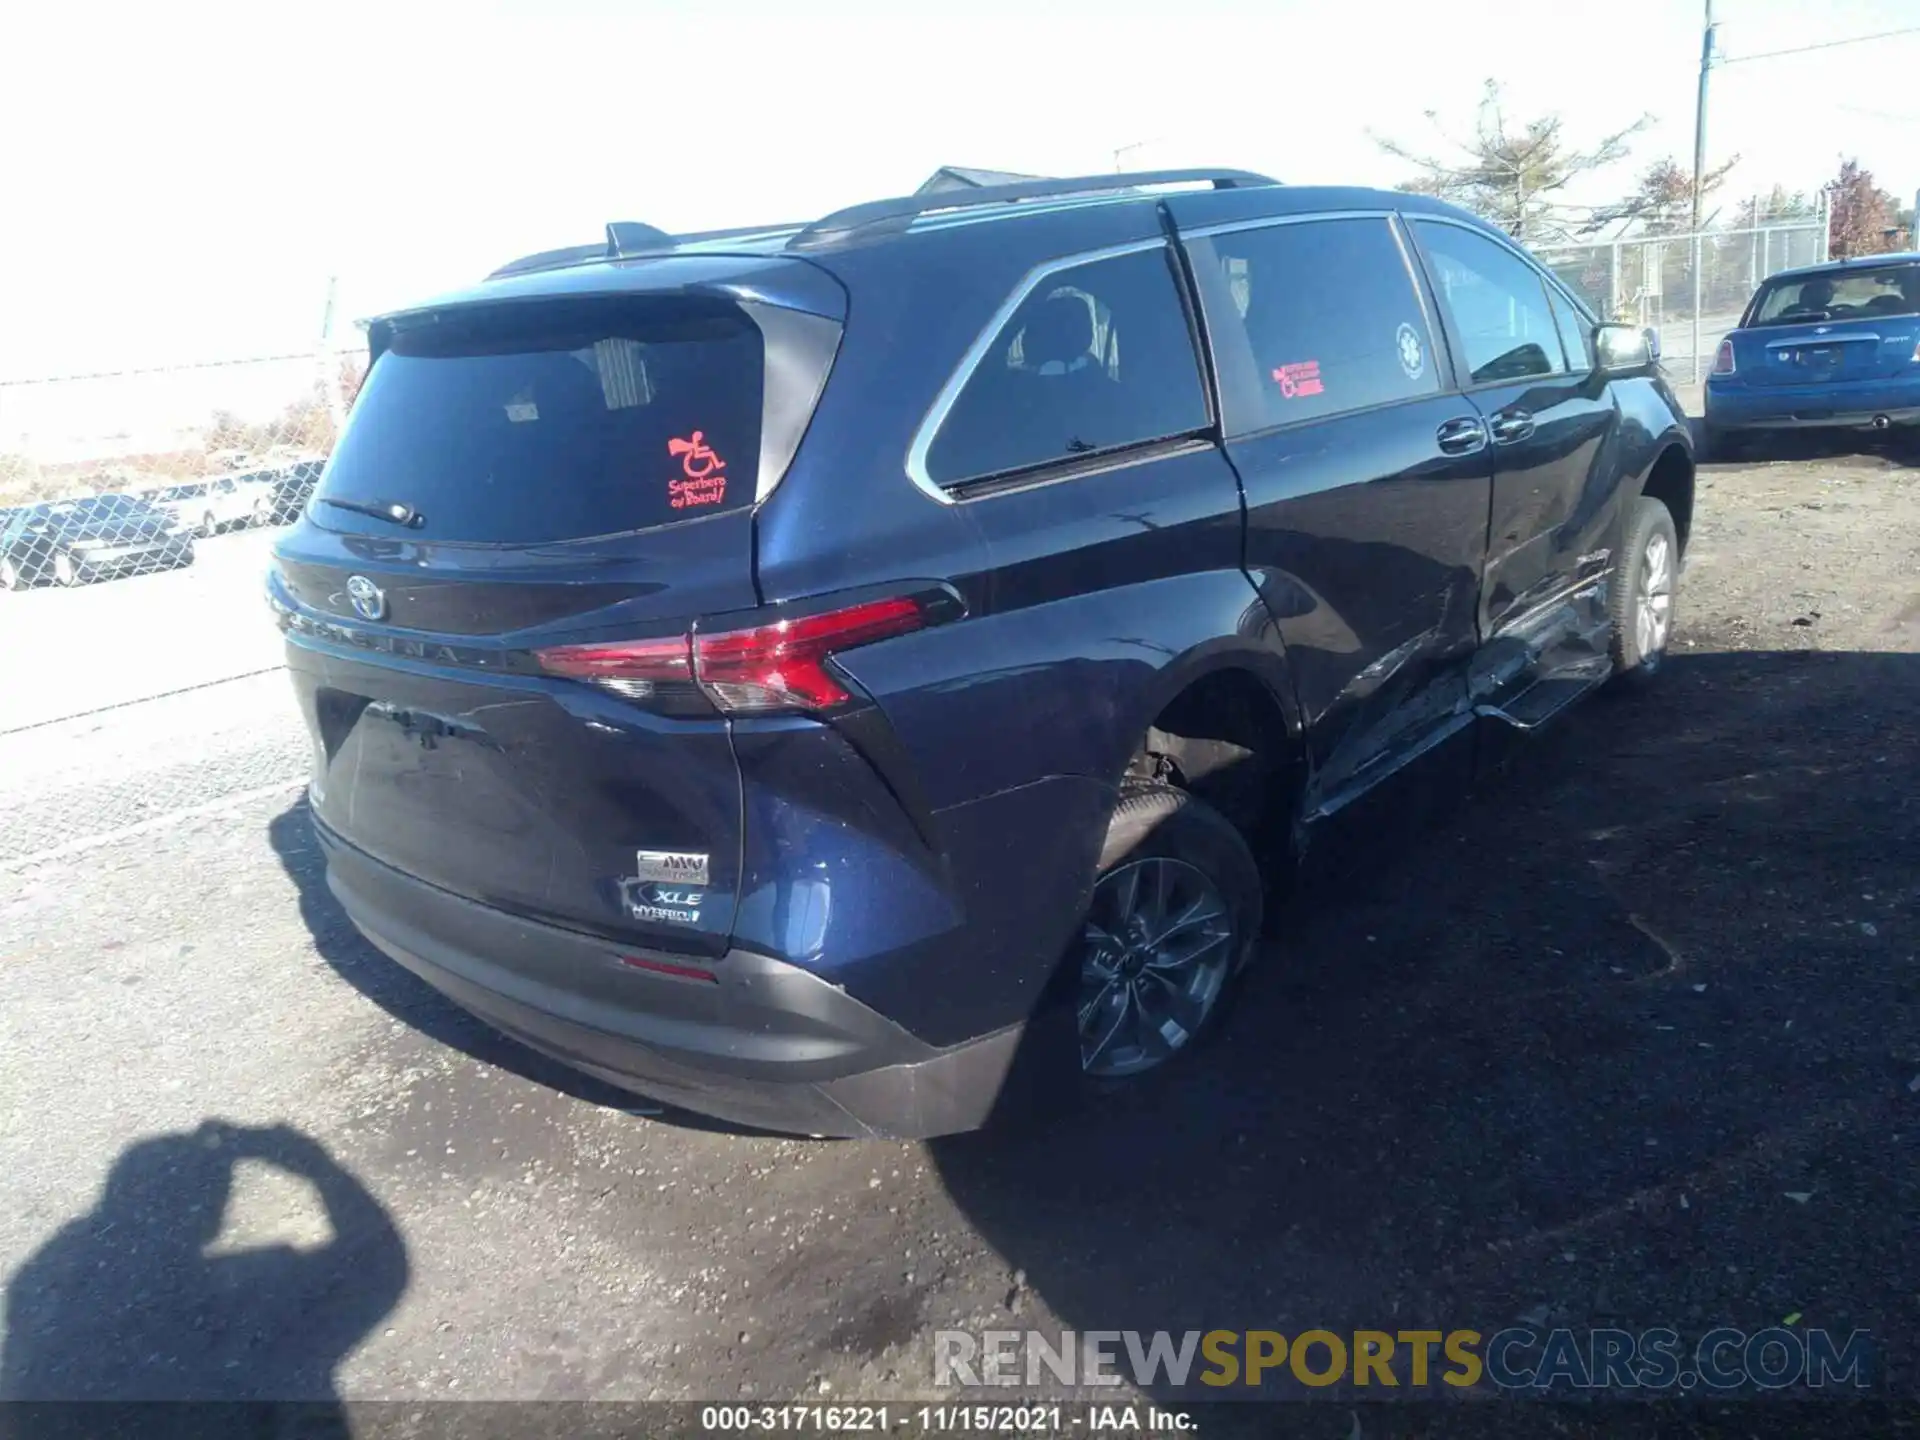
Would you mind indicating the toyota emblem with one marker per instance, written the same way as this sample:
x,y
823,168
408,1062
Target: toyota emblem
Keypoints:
x,y
368,599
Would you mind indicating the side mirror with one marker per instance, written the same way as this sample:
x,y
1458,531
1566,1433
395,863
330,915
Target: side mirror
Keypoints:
x,y
1625,347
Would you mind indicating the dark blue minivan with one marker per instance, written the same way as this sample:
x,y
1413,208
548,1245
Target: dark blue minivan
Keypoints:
x,y
791,673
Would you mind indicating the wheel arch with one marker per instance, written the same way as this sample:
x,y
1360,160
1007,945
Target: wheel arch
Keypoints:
x,y
1223,723
1670,480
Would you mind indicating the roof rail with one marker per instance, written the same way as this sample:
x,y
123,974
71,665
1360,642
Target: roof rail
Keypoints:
x,y
900,213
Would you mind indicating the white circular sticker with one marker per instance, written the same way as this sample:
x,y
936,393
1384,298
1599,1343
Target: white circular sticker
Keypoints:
x,y
1413,358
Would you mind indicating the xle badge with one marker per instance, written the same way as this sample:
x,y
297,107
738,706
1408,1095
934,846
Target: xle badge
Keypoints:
x,y
655,904
670,867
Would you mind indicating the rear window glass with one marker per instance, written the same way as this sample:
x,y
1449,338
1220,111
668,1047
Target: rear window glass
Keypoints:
x,y
578,421
1330,315
1097,356
1839,295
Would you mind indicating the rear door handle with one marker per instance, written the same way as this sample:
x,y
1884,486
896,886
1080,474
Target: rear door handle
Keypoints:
x,y
1512,425
1462,436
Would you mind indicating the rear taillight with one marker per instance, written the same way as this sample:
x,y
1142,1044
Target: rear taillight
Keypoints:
x,y
1723,358
782,666
640,662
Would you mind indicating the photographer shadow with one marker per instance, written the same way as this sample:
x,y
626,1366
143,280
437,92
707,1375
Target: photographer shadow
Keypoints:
x,y
156,1294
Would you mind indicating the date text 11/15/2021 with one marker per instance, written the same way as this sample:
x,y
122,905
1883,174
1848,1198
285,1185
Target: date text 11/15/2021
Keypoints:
x,y
1087,1419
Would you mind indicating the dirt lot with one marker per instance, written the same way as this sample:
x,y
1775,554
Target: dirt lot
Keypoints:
x,y
1634,1040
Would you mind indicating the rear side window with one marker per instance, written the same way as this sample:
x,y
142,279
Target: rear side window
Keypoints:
x,y
1097,356
1498,303
573,421
1330,315
1840,295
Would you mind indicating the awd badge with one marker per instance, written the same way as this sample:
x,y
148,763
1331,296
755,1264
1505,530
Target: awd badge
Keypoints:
x,y
670,867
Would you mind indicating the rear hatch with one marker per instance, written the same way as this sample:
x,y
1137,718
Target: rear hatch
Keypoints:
x,y
1831,327
548,464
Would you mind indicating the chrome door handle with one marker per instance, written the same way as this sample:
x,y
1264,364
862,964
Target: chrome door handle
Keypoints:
x,y
1512,425
1462,436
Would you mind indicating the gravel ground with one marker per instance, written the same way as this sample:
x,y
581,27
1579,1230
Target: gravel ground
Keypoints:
x,y
1632,1040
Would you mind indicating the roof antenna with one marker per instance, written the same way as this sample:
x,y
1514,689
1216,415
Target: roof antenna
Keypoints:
x,y
630,237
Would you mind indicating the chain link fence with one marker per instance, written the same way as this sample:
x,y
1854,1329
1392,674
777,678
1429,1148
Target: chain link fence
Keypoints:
x,y
1691,288
142,675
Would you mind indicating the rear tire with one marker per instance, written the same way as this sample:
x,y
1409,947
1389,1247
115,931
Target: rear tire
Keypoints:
x,y
1174,915
1643,600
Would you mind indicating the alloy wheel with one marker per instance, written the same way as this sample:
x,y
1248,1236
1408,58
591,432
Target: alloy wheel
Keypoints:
x,y
1157,951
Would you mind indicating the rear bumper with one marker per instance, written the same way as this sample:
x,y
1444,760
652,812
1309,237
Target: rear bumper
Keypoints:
x,y
1861,405
762,1042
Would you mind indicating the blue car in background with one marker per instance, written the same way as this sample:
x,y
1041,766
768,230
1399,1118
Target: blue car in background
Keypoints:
x,y
1831,346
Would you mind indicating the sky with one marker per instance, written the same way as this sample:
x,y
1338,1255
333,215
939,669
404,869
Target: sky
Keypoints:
x,y
182,180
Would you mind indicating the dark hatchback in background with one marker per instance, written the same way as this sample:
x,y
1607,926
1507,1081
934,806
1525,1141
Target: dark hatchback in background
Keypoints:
x,y
1829,347
791,672
288,491
69,542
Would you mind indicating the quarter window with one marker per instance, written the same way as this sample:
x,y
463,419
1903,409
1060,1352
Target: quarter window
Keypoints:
x,y
1329,317
1097,356
1573,332
1498,303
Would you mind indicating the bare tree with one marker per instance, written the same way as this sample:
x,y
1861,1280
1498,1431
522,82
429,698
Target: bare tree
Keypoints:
x,y
353,374
1776,205
1513,177
1662,199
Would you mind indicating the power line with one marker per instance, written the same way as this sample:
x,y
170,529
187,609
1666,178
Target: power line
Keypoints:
x,y
1880,114
15,382
1823,45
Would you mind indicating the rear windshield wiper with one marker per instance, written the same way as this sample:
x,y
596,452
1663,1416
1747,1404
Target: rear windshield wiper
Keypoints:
x,y
394,511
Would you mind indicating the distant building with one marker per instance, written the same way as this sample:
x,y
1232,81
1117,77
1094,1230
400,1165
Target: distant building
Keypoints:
x,y
959,177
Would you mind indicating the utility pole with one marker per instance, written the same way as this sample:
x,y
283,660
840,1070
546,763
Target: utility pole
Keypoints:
x,y
1700,114
1699,173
